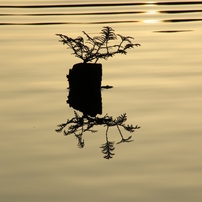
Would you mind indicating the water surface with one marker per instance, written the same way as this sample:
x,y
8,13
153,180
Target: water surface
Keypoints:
x,y
158,86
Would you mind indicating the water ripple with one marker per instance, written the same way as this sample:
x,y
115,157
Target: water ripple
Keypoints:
x,y
118,13
101,13
102,22
102,4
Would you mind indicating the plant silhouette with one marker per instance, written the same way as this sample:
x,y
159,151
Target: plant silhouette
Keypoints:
x,y
78,125
85,86
108,147
99,46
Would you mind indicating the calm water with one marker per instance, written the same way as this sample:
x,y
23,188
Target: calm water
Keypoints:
x,y
158,86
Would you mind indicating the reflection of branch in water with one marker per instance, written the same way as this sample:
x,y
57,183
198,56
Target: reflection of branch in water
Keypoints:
x,y
123,139
108,147
80,124
80,140
84,123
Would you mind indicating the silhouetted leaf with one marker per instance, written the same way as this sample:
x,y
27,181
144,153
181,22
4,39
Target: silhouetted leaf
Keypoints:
x,y
98,45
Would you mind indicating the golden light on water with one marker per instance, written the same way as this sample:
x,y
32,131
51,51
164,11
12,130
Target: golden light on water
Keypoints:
x,y
150,3
152,21
158,86
151,12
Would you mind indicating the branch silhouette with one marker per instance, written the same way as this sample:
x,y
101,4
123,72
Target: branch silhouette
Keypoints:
x,y
98,47
108,147
78,125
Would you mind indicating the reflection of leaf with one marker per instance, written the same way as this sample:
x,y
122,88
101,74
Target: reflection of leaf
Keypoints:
x,y
76,115
78,125
63,125
125,140
120,119
130,128
58,130
80,140
107,149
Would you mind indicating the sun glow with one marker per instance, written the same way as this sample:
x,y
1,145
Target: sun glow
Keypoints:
x,y
150,3
151,12
151,21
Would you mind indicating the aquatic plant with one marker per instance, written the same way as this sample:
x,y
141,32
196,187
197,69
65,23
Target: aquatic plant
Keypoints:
x,y
98,47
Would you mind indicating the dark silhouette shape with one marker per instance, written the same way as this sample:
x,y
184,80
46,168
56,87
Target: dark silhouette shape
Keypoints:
x,y
85,88
108,147
78,125
85,96
98,47
107,87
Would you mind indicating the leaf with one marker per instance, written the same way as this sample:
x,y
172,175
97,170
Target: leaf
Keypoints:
x,y
107,149
125,38
98,45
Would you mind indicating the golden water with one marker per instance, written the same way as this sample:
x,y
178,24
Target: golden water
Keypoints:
x,y
158,86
